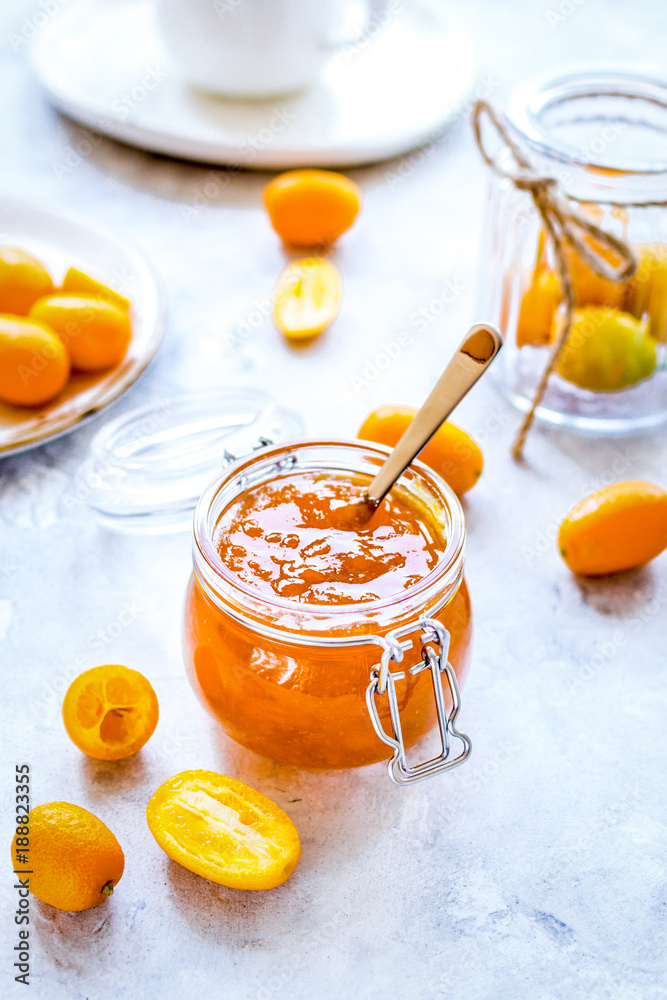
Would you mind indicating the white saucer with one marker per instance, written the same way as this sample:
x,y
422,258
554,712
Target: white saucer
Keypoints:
x,y
60,241
102,63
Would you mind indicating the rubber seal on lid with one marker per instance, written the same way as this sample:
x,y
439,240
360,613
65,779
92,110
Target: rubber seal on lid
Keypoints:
x,y
148,468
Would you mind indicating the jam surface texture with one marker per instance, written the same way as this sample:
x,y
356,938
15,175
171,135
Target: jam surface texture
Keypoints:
x,y
310,537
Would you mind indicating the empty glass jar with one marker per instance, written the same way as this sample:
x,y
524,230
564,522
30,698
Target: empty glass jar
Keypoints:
x,y
603,137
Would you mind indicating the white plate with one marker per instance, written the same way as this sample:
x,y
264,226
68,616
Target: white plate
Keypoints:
x,y
102,63
61,241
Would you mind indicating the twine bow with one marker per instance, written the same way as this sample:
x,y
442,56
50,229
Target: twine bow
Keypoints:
x,y
562,225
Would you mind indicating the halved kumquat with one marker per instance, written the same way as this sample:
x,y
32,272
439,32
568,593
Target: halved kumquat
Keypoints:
x,y
110,711
307,298
224,830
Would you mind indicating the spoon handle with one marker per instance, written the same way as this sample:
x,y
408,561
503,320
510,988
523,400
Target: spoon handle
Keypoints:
x,y
478,349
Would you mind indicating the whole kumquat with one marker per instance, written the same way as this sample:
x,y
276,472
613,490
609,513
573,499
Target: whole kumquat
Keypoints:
x,y
73,862
537,314
607,350
23,280
110,712
451,452
96,333
646,293
591,289
311,208
224,830
34,364
616,528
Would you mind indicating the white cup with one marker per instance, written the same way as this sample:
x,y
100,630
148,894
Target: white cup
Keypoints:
x,y
260,48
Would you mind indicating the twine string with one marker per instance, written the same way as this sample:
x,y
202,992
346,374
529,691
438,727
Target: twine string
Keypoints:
x,y
562,225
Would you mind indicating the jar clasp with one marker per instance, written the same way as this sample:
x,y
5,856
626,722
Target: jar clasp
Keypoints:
x,y
383,681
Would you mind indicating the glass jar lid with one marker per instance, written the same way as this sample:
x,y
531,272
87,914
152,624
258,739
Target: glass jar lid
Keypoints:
x,y
148,468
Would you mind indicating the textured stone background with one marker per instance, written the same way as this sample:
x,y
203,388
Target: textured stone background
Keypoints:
x,y
537,871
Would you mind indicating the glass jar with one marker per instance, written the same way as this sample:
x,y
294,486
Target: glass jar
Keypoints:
x,y
603,137
330,686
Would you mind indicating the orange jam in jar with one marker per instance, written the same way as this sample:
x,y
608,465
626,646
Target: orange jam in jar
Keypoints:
x,y
296,587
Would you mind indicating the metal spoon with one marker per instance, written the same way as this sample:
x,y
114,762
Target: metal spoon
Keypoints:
x,y
478,349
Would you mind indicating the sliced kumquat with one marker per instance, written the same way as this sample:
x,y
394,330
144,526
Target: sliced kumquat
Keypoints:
x,y
76,281
537,314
